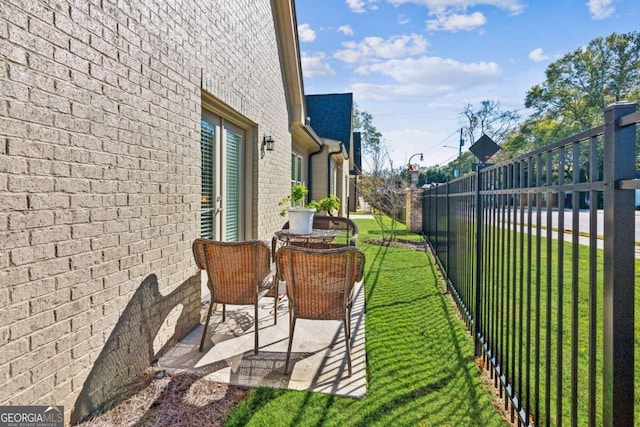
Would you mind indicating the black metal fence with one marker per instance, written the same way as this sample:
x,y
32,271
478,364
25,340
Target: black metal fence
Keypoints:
x,y
539,253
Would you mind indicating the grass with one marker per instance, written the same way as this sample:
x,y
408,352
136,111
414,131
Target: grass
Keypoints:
x,y
510,310
420,366
518,315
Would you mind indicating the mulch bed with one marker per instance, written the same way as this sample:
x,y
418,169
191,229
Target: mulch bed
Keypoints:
x,y
398,243
164,400
183,400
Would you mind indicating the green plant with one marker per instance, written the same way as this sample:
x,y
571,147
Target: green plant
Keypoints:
x,y
295,198
328,204
298,192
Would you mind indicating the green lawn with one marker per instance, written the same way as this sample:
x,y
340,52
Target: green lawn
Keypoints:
x,y
512,303
420,368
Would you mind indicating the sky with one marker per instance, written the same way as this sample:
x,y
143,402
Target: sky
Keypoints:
x,y
415,64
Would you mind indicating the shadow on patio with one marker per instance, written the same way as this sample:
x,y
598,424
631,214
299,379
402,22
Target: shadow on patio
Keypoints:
x,y
418,369
317,356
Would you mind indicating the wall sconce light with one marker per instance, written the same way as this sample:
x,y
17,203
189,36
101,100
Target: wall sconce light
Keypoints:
x,y
267,144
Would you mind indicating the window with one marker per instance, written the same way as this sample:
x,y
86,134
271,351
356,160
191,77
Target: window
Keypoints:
x,y
296,169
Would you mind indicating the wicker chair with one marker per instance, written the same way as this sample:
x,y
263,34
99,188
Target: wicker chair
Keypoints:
x,y
320,286
348,233
239,273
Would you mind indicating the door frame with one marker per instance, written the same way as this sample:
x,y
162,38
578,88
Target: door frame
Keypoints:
x,y
220,110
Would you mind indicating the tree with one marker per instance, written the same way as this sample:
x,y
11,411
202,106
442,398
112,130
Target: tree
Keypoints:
x,y
386,197
434,175
374,149
533,133
490,119
379,186
581,84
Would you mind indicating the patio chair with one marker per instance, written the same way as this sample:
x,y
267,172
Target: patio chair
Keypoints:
x,y
239,273
320,286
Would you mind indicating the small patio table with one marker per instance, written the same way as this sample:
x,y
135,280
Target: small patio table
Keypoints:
x,y
317,237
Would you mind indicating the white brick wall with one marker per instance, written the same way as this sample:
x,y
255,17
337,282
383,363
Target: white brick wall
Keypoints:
x,y
100,108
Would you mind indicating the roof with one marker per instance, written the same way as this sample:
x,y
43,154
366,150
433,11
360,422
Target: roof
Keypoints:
x,y
331,115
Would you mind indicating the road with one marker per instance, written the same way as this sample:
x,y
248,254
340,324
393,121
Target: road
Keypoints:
x,y
583,226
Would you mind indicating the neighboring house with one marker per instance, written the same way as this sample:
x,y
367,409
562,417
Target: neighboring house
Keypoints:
x,y
128,130
335,166
355,172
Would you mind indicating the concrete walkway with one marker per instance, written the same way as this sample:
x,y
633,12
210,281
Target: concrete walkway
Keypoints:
x,y
318,355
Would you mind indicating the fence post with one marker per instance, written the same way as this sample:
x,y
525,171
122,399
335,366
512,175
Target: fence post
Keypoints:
x,y
447,235
435,226
477,321
619,258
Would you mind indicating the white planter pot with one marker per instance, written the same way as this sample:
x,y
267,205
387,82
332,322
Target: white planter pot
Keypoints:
x,y
301,220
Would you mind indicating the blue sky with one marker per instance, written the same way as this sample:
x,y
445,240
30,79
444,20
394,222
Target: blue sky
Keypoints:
x,y
415,64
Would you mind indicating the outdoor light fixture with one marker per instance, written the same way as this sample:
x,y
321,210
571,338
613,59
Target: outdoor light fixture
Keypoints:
x,y
409,165
267,144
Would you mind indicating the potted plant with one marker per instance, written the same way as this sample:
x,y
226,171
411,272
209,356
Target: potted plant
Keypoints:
x,y
300,217
327,205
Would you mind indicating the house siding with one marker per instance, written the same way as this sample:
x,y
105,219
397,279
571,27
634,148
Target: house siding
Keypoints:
x,y
100,106
331,118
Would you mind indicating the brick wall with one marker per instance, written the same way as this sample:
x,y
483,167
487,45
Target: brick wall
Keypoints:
x,y
100,106
413,214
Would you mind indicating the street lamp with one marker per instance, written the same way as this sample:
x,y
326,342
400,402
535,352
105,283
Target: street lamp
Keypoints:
x,y
409,167
413,173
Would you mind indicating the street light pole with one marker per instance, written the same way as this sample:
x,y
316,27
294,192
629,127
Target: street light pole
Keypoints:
x,y
456,172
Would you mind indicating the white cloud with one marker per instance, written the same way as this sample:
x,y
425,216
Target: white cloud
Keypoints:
x,y
600,9
346,30
538,55
305,33
434,70
451,15
360,6
440,6
456,22
378,92
356,6
315,65
425,77
403,19
377,47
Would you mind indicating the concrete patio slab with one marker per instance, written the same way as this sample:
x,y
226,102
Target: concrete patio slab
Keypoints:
x,y
318,360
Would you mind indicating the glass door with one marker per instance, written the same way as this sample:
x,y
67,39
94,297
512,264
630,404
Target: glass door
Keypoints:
x,y
222,151
234,141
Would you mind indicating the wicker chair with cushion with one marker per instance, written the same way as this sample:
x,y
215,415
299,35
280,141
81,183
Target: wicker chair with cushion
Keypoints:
x,y
320,286
239,273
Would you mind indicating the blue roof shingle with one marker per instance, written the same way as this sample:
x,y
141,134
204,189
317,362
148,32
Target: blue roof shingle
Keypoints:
x,y
331,116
